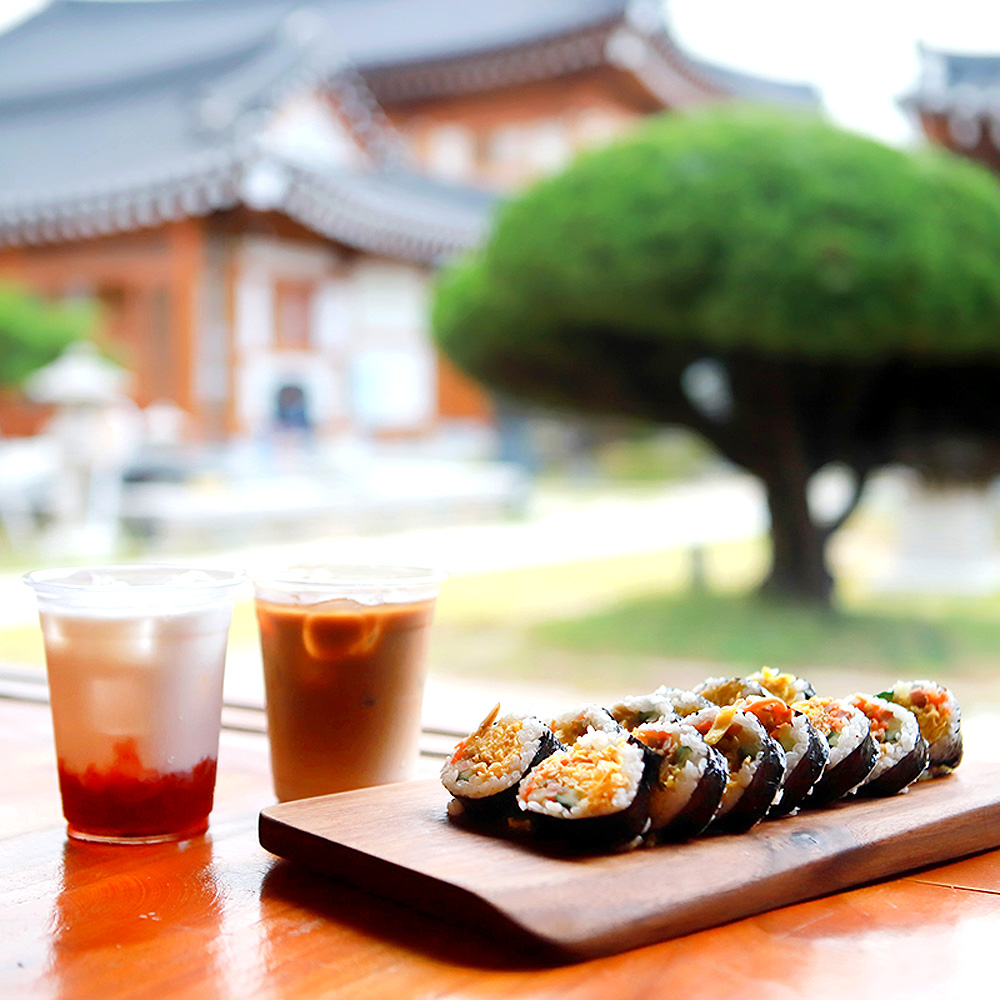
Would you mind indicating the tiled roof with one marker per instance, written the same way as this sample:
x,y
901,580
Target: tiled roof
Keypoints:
x,y
116,115
124,121
952,81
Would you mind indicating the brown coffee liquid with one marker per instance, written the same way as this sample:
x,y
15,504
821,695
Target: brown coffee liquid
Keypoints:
x,y
344,686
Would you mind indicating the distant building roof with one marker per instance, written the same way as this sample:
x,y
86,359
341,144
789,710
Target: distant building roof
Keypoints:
x,y
950,81
962,92
123,114
127,114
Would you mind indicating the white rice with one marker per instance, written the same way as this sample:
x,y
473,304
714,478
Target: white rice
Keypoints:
x,y
752,735
455,774
892,751
571,725
729,690
902,692
684,702
635,710
564,795
851,736
664,807
795,743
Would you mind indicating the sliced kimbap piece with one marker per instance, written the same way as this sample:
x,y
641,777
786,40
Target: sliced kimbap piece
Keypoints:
x,y
484,770
635,710
755,764
806,752
684,702
577,722
852,749
689,779
729,690
939,718
593,795
902,751
787,687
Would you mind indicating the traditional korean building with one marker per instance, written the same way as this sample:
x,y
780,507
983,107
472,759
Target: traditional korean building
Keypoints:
x,y
957,103
257,193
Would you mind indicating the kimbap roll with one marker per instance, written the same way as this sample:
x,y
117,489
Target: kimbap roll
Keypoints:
x,y
729,690
787,687
684,702
902,751
592,795
689,779
484,770
577,722
939,718
806,752
852,749
635,710
755,763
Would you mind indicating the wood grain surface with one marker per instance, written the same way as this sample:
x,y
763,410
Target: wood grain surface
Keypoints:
x,y
218,918
397,841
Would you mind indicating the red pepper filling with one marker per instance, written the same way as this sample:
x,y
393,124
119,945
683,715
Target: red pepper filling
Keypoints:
x,y
131,800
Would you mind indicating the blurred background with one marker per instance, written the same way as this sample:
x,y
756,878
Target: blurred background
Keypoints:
x,y
223,226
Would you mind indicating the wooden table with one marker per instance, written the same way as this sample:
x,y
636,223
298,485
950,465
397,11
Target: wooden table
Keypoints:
x,y
217,917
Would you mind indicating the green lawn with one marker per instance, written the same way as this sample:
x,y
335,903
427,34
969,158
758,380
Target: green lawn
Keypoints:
x,y
745,630
633,622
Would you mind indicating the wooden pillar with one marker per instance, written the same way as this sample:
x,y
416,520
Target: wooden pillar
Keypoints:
x,y
186,264
231,272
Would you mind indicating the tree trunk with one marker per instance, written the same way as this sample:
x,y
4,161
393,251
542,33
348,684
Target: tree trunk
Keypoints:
x,y
798,567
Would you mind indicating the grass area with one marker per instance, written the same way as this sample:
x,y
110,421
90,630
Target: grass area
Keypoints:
x,y
635,621
748,631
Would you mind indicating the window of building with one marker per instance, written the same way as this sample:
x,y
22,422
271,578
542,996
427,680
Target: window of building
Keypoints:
x,y
391,298
451,152
549,145
597,128
393,390
293,311
507,145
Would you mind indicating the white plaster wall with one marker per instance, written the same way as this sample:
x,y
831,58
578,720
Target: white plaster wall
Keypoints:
x,y
392,366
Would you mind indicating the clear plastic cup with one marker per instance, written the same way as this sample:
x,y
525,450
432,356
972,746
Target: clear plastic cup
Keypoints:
x,y
344,650
135,658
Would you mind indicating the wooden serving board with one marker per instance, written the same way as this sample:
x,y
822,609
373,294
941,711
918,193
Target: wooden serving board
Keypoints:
x,y
396,841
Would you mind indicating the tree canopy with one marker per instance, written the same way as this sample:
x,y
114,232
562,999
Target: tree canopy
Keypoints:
x,y
34,332
846,296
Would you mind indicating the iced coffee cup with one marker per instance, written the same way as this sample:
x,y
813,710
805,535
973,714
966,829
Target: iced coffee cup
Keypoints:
x,y
344,650
135,658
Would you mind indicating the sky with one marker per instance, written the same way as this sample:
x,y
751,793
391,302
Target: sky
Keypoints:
x,y
861,54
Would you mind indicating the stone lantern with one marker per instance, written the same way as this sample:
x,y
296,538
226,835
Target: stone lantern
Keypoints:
x,y
96,429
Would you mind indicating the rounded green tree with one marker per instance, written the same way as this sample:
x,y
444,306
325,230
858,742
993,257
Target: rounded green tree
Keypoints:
x,y
798,295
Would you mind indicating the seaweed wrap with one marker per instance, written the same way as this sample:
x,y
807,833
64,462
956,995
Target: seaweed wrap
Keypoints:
x,y
729,690
902,751
852,749
806,752
787,687
593,795
635,710
689,779
939,718
577,722
484,770
684,702
755,764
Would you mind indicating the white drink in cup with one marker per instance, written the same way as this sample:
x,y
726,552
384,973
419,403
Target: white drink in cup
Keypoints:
x,y
135,658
